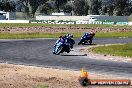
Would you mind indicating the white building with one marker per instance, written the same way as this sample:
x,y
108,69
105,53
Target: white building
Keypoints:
x,y
7,15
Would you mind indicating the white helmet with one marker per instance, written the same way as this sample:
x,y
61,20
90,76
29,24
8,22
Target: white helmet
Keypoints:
x,y
92,33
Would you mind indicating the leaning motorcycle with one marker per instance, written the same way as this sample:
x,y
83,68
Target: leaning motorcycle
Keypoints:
x,y
85,40
60,48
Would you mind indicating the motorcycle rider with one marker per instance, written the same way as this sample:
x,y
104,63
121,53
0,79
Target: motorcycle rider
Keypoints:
x,y
61,39
66,41
69,41
68,44
92,34
88,36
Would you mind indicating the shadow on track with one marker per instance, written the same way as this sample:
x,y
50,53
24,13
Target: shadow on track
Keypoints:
x,y
88,44
74,55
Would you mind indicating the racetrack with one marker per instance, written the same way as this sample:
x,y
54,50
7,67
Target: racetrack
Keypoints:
x,y
38,52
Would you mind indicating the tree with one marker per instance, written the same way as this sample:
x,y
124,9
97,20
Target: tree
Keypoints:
x,y
25,1
110,9
59,3
7,6
80,7
95,7
127,11
12,6
104,10
122,7
19,6
67,8
26,12
1,5
46,8
35,4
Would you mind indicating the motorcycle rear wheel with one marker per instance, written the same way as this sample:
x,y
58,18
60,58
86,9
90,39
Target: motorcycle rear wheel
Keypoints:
x,y
90,42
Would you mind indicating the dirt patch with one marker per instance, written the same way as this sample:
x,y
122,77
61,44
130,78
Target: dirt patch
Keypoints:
x,y
58,29
19,76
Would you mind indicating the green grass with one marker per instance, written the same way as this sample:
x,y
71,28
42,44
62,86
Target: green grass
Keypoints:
x,y
29,35
42,86
81,25
34,35
56,35
116,50
114,34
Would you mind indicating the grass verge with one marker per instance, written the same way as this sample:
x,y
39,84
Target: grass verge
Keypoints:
x,y
114,35
115,50
42,86
56,35
81,25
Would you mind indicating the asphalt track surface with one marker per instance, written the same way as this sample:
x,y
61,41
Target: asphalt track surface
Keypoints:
x,y
38,52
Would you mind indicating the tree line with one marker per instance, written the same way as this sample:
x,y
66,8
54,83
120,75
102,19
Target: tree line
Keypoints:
x,y
76,7
7,6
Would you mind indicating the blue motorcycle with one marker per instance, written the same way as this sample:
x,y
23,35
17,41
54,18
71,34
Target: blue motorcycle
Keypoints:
x,y
60,48
85,40
64,44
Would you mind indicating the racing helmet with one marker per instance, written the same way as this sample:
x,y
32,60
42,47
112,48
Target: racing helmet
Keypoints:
x,y
60,36
86,34
92,33
67,35
71,35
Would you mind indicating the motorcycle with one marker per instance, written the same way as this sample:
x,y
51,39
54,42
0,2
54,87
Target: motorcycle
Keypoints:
x,y
60,48
85,40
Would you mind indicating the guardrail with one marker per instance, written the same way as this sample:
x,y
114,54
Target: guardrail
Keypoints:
x,y
65,22
77,22
14,21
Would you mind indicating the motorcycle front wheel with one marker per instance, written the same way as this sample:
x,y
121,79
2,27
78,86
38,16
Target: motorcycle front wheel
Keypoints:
x,y
59,50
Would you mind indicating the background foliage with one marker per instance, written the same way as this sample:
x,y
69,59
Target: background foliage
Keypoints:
x,y
78,7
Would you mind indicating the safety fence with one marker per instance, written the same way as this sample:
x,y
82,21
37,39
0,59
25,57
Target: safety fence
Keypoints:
x,y
14,21
65,22
77,22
